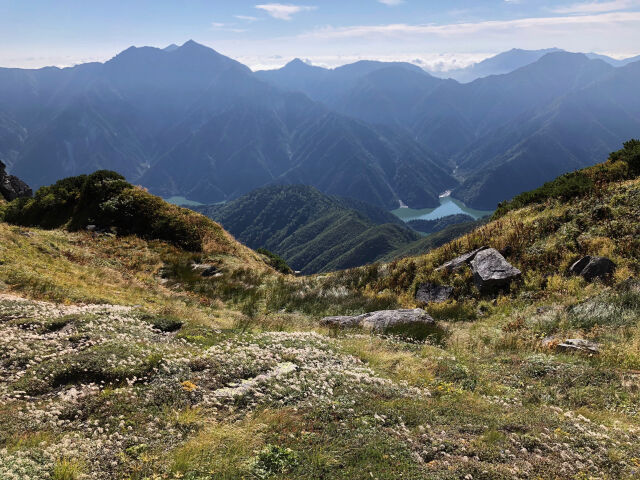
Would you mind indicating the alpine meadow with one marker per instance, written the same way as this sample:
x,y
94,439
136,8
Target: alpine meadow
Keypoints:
x,y
382,239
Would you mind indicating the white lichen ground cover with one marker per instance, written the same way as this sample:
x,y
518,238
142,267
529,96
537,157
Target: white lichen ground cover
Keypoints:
x,y
96,392
94,384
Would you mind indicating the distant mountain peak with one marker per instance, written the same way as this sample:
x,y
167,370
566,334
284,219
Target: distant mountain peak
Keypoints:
x,y
298,65
171,48
296,62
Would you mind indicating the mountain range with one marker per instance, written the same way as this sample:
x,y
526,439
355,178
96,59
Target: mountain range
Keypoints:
x,y
190,122
499,135
507,62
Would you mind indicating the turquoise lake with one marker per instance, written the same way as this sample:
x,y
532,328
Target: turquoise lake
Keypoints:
x,y
448,206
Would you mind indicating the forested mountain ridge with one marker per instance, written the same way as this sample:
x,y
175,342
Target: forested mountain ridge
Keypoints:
x,y
519,125
313,232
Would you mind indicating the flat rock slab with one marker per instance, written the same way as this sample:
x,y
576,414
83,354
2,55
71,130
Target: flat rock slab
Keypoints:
x,y
579,345
492,272
591,268
381,321
432,293
460,261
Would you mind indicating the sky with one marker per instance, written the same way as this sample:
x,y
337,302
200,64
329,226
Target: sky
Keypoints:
x,y
436,34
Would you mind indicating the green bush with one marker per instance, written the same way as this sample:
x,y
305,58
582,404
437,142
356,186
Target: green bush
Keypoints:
x,y
273,460
106,200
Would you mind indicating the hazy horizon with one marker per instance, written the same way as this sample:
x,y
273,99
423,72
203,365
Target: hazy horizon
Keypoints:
x,y
439,36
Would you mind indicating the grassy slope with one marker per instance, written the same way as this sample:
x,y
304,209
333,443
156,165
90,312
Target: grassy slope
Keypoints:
x,y
489,401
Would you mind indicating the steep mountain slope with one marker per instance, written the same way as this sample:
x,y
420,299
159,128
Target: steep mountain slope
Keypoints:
x,y
326,85
571,133
527,125
191,122
188,121
311,231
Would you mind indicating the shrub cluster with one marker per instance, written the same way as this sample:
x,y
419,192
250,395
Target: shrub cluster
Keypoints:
x,y
105,199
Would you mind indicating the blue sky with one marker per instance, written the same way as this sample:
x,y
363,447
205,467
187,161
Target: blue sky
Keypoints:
x,y
438,34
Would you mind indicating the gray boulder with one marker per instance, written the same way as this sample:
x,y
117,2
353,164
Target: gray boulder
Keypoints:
x,y
591,268
492,272
432,293
382,321
12,187
460,261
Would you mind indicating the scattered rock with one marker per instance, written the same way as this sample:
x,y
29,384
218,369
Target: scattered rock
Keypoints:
x,y
492,272
591,268
579,345
432,293
460,261
207,270
11,187
91,228
382,321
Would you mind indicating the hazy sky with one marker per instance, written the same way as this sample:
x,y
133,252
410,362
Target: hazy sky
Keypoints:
x,y
262,34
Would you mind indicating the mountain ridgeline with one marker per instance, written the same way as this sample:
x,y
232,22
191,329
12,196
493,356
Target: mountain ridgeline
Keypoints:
x,y
190,122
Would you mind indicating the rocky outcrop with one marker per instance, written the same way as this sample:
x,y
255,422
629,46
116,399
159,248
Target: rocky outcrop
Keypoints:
x,y
383,321
432,293
11,187
491,272
460,261
591,268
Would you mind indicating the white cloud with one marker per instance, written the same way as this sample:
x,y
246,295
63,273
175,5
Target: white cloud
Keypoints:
x,y
485,27
282,11
246,18
391,3
227,27
597,7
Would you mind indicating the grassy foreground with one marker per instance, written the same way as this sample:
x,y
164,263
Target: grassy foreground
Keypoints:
x,y
119,362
